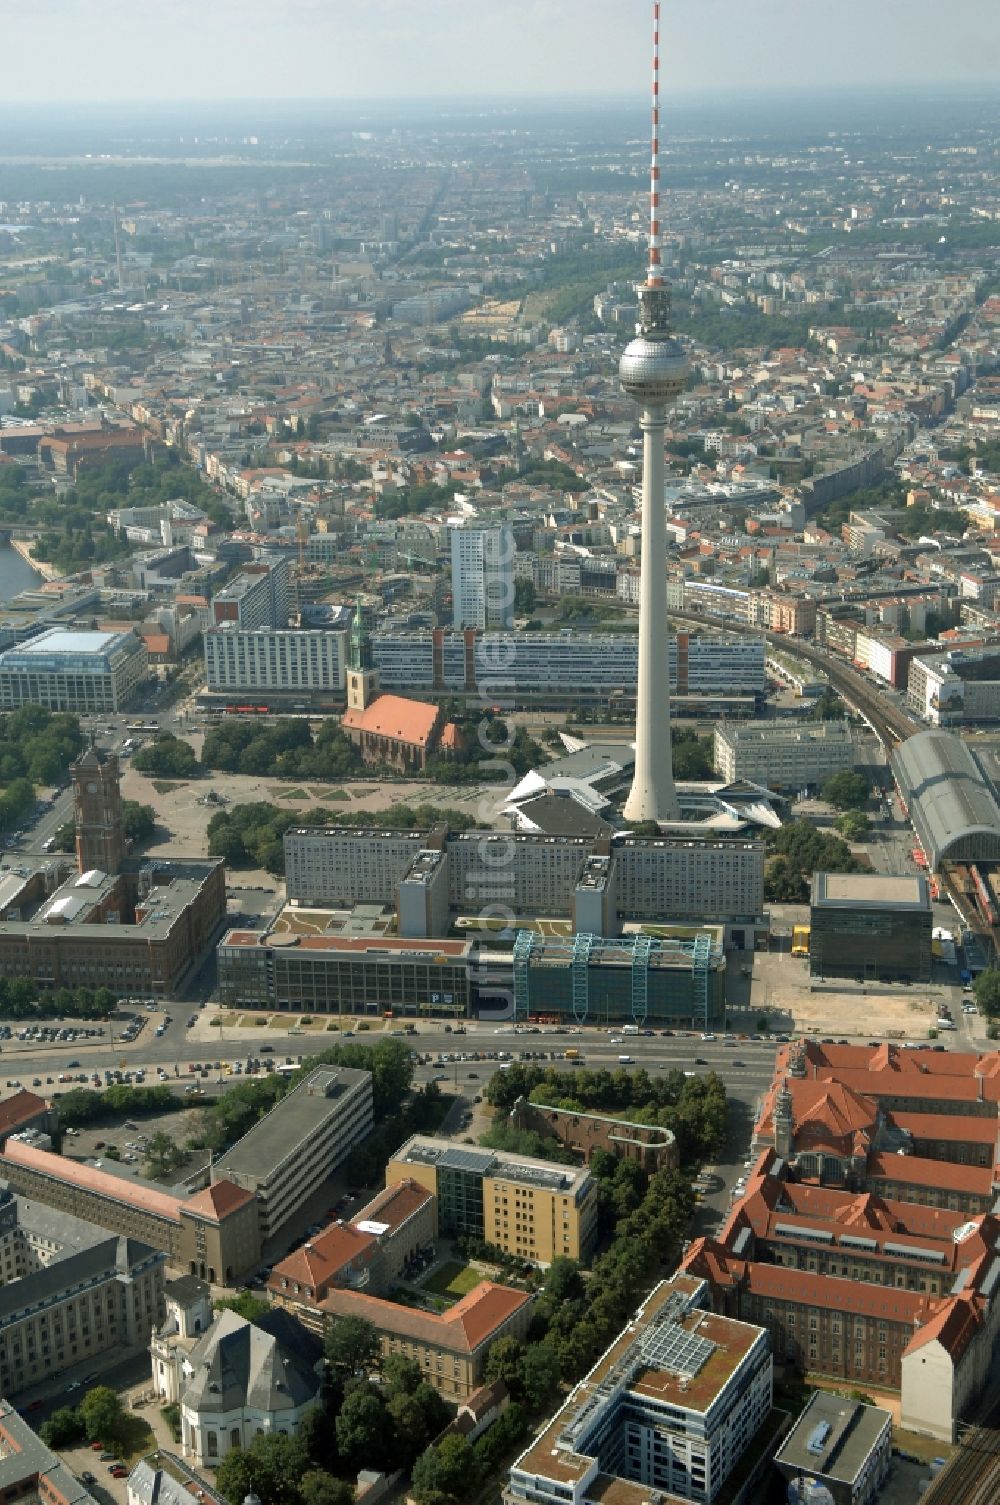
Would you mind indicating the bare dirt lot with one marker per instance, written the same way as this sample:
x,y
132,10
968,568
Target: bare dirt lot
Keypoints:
x,y
796,1002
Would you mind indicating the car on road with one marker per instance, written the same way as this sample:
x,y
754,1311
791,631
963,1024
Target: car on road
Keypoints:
x,y
700,1061
73,1385
87,1477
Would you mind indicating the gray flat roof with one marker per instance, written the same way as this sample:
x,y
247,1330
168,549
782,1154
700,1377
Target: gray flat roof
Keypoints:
x,y
854,1430
31,1460
280,1132
859,890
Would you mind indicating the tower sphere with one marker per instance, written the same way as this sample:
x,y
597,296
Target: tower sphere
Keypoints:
x,y
653,371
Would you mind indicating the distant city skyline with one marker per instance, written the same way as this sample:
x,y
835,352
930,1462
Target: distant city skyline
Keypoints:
x,y
435,49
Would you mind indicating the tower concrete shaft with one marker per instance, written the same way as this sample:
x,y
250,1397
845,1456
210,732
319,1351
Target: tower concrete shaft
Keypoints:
x,y
652,796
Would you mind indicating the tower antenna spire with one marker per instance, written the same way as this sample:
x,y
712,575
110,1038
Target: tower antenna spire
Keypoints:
x,y
654,276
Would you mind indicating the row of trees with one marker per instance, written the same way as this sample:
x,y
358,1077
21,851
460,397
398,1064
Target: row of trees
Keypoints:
x,y
284,747
694,1107
250,835
574,1320
797,851
81,1106
377,1410
235,1112
20,999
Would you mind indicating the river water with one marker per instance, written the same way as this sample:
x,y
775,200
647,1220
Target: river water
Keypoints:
x,y
15,575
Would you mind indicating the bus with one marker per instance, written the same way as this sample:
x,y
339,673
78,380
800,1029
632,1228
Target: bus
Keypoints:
x,y
287,1068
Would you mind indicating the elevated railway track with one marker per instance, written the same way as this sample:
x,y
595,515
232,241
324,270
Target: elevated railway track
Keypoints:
x,y
973,1475
889,722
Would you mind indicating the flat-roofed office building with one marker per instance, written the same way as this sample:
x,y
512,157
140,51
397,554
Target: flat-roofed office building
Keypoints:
x,y
783,754
870,925
66,670
534,1208
841,1444
290,1152
667,1412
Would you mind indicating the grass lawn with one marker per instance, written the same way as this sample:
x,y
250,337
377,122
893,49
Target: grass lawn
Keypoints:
x,y
166,786
281,793
330,794
452,1279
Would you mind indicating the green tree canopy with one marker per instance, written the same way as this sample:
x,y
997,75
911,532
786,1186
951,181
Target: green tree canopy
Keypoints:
x,y
102,1414
853,825
846,790
63,1428
361,1425
320,1488
986,989
169,757
447,1470
244,1304
271,1467
352,1347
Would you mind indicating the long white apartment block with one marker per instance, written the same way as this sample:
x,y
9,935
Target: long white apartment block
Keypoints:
x,y
703,878
586,665
275,658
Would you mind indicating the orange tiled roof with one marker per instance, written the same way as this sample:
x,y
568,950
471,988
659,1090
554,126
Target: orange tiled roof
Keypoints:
x,y
916,1170
463,1329
146,1198
949,1126
394,1204
411,721
318,1263
219,1200
19,1110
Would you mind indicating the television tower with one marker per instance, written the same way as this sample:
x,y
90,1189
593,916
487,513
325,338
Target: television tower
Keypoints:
x,y
653,371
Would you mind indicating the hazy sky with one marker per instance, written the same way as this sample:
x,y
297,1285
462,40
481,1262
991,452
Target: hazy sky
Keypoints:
x,y
109,50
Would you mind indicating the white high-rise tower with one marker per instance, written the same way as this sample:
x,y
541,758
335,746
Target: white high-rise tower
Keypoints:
x,y
654,371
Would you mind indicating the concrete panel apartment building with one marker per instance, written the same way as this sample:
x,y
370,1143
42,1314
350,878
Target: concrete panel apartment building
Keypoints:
x,y
562,667
783,755
287,660
533,875
260,596
291,1151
